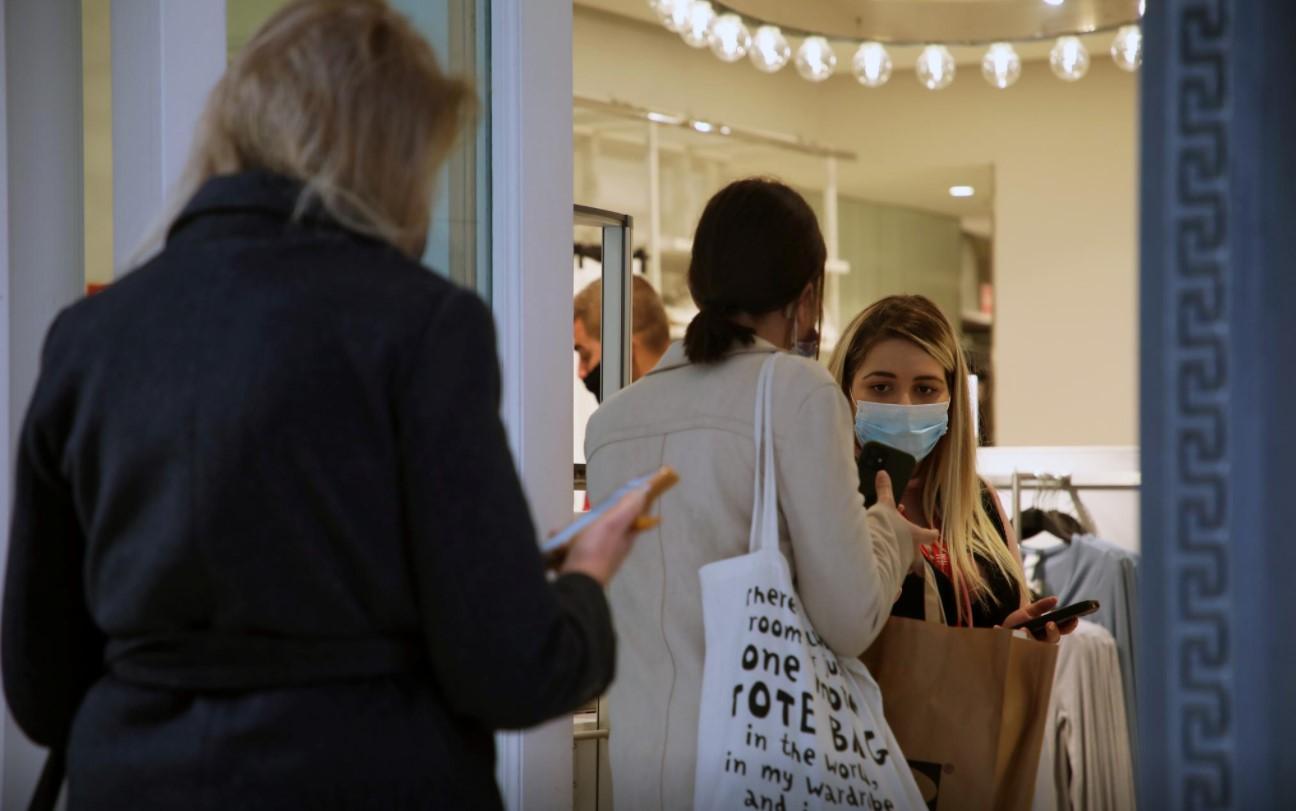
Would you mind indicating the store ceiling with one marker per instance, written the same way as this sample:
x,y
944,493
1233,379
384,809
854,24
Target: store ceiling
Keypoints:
x,y
911,181
919,185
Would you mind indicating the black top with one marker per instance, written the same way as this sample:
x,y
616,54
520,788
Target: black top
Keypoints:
x,y
271,459
1002,600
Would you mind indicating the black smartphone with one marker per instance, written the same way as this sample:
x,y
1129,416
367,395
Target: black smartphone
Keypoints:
x,y
874,457
1061,616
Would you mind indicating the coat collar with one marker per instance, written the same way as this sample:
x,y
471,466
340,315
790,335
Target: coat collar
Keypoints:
x,y
253,192
676,359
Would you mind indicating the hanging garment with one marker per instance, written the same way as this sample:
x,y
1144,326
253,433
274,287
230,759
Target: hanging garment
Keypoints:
x,y
1086,763
1089,568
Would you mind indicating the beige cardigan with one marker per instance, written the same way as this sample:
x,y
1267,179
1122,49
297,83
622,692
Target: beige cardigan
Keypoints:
x,y
848,564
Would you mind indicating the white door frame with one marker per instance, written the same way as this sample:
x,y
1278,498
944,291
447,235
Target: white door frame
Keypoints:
x,y
167,55
531,178
7,454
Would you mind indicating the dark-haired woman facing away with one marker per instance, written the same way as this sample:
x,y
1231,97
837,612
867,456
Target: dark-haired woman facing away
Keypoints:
x,y
756,275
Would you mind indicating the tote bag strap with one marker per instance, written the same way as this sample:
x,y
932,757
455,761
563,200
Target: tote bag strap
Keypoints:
x,y
764,528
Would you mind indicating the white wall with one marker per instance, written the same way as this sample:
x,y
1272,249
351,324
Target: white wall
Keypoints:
x,y
166,57
1065,196
1065,216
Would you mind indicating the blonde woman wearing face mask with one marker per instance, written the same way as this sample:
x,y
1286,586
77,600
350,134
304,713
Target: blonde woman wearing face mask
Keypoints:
x,y
903,371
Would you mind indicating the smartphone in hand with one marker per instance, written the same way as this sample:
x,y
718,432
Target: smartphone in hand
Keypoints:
x,y
1060,616
899,466
657,483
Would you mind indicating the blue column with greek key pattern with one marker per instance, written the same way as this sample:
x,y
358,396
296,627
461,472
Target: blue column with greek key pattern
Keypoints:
x,y
1217,657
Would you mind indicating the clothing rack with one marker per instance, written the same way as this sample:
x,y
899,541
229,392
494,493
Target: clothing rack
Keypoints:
x,y
1067,483
1113,584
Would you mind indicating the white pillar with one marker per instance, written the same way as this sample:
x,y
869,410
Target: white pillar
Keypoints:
x,y
45,257
531,177
832,238
166,57
654,208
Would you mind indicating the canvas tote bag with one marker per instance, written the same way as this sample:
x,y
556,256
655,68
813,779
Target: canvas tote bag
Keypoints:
x,y
969,706
784,724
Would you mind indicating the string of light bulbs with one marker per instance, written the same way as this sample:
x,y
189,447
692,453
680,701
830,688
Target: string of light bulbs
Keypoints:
x,y
730,37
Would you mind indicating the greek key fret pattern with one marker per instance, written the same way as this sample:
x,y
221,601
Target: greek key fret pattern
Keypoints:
x,y
1201,705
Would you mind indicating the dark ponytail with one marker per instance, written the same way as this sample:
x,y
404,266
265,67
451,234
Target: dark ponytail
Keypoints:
x,y
711,334
757,247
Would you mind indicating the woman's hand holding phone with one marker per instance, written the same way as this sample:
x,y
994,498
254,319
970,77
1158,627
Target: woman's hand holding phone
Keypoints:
x,y
1052,632
605,538
600,550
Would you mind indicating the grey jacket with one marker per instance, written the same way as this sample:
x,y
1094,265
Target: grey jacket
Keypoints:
x,y
849,564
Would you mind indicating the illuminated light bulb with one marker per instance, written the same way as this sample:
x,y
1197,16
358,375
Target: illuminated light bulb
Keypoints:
x,y
697,32
674,14
936,67
729,38
1054,2
1001,66
1127,48
770,50
1069,59
815,59
872,64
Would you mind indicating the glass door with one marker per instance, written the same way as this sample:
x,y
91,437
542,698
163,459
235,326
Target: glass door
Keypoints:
x,y
603,363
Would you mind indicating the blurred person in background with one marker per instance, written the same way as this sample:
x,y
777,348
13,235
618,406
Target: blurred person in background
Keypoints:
x,y
650,332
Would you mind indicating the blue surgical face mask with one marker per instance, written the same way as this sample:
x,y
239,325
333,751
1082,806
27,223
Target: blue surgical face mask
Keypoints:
x,y
914,429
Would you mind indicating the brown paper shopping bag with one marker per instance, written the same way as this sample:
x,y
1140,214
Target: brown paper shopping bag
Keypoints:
x,y
968,707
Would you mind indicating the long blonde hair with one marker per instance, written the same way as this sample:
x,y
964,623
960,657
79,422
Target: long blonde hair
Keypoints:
x,y
952,490
346,97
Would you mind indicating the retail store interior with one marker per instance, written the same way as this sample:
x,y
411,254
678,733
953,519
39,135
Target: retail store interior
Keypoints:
x,y
1088,201
999,179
